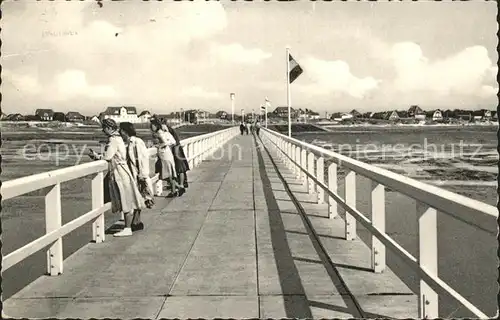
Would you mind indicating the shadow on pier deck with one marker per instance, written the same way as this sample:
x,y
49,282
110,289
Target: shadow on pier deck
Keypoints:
x,y
236,245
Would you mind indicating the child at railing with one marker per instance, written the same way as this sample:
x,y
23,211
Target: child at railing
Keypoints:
x,y
125,195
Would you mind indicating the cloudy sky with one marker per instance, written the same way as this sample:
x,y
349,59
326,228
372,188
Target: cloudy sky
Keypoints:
x,y
163,56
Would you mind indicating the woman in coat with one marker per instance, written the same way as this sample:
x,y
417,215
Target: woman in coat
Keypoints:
x,y
138,162
166,141
125,196
181,163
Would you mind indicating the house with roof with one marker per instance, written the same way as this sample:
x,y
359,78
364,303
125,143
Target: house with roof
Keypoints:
x,y
494,115
45,114
144,116
435,115
392,116
3,116
15,117
416,112
120,114
355,113
282,112
481,115
221,115
74,117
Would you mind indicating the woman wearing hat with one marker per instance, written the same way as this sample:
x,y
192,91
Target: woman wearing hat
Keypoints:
x,y
166,141
181,163
125,196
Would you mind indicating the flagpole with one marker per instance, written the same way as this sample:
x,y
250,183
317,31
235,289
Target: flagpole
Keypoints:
x,y
288,100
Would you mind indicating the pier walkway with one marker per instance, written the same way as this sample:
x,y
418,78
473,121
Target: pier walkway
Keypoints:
x,y
246,241
263,232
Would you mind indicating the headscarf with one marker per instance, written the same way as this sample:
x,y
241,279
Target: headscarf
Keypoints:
x,y
156,121
111,124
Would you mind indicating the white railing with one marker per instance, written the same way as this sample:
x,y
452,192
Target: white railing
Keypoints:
x,y
302,157
196,148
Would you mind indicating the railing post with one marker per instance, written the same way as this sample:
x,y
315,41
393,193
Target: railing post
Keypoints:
x,y
289,154
350,199
303,164
428,306
292,155
310,170
98,228
377,205
53,222
332,186
320,175
190,149
298,152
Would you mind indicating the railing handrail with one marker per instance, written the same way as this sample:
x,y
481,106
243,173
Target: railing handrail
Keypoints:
x,y
17,187
197,150
431,278
438,198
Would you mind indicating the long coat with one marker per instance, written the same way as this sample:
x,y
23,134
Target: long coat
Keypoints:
x,y
123,189
165,154
138,162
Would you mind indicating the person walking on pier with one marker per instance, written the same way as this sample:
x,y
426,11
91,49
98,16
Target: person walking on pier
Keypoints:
x,y
125,196
257,127
181,163
138,162
242,127
166,141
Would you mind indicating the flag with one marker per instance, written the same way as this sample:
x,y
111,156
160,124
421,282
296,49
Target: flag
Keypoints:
x,y
294,67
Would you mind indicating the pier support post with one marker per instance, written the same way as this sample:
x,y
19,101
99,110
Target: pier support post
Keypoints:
x,y
377,205
320,175
310,170
428,301
333,186
350,199
98,228
53,221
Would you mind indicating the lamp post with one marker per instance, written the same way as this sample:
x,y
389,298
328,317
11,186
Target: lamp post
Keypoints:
x,y
231,95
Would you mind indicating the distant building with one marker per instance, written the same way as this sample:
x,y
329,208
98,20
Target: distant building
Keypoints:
x,y
392,116
282,112
120,114
59,116
494,115
416,112
437,115
74,117
221,115
3,116
144,116
481,115
45,114
15,117
95,119
356,114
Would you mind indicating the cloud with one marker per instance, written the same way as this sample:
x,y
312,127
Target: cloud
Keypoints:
x,y
25,83
235,52
464,73
198,92
133,50
335,77
73,83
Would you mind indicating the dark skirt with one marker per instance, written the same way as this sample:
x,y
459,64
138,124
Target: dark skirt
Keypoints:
x,y
181,163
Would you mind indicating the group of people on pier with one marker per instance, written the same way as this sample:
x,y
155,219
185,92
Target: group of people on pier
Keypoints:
x,y
247,127
129,183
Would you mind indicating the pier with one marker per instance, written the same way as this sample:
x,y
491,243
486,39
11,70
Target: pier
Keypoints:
x,y
262,232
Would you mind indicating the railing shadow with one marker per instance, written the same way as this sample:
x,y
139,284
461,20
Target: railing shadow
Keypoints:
x,y
287,271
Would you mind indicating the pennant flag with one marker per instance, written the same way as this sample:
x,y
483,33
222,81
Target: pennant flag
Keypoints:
x,y
294,67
